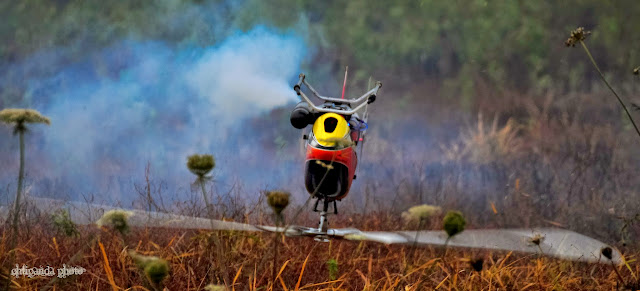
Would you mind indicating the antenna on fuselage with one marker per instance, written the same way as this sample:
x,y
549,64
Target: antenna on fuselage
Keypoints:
x,y
344,85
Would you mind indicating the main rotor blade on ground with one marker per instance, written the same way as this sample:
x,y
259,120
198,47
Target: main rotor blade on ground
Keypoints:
x,y
558,243
88,213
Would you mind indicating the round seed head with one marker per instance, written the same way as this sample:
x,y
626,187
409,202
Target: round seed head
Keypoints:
x,y
200,164
577,35
421,213
116,218
156,270
13,115
278,200
453,223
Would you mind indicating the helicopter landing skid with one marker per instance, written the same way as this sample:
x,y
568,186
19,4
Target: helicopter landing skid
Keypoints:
x,y
297,231
322,233
323,225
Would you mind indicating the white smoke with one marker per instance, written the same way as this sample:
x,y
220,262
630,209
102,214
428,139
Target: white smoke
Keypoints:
x,y
138,102
247,73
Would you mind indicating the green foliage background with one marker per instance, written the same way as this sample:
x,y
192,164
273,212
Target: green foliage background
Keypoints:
x,y
513,44
509,44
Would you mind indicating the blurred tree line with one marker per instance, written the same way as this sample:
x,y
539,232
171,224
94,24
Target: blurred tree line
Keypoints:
x,y
512,44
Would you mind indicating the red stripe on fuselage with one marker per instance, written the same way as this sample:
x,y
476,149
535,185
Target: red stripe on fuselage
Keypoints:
x,y
343,156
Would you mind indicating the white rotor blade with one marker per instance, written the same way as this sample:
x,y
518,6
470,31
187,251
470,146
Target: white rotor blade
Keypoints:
x,y
88,213
554,242
559,243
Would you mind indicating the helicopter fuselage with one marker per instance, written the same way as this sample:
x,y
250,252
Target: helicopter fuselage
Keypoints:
x,y
331,159
329,170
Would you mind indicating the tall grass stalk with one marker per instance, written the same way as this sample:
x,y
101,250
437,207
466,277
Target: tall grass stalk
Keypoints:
x,y
278,201
415,241
579,35
453,223
422,214
19,118
276,236
201,165
595,65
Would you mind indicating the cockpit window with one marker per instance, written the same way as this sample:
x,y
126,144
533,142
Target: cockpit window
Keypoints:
x,y
330,124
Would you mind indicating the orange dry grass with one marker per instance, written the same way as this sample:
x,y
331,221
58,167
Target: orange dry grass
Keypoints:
x,y
361,265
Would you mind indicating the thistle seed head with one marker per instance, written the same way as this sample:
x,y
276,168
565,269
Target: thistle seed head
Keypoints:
x,y
200,165
453,223
14,115
155,268
577,35
278,200
116,218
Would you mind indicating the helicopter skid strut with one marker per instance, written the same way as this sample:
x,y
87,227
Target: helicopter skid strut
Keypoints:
x,y
322,233
323,225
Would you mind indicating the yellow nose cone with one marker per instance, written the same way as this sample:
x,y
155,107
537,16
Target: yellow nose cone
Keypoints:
x,y
330,128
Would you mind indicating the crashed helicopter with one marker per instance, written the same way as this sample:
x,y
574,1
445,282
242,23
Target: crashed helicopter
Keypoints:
x,y
330,166
331,158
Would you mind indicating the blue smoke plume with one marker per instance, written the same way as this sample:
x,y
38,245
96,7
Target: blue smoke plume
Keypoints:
x,y
138,102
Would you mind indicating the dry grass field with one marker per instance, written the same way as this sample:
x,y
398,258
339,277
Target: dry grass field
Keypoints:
x,y
301,263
